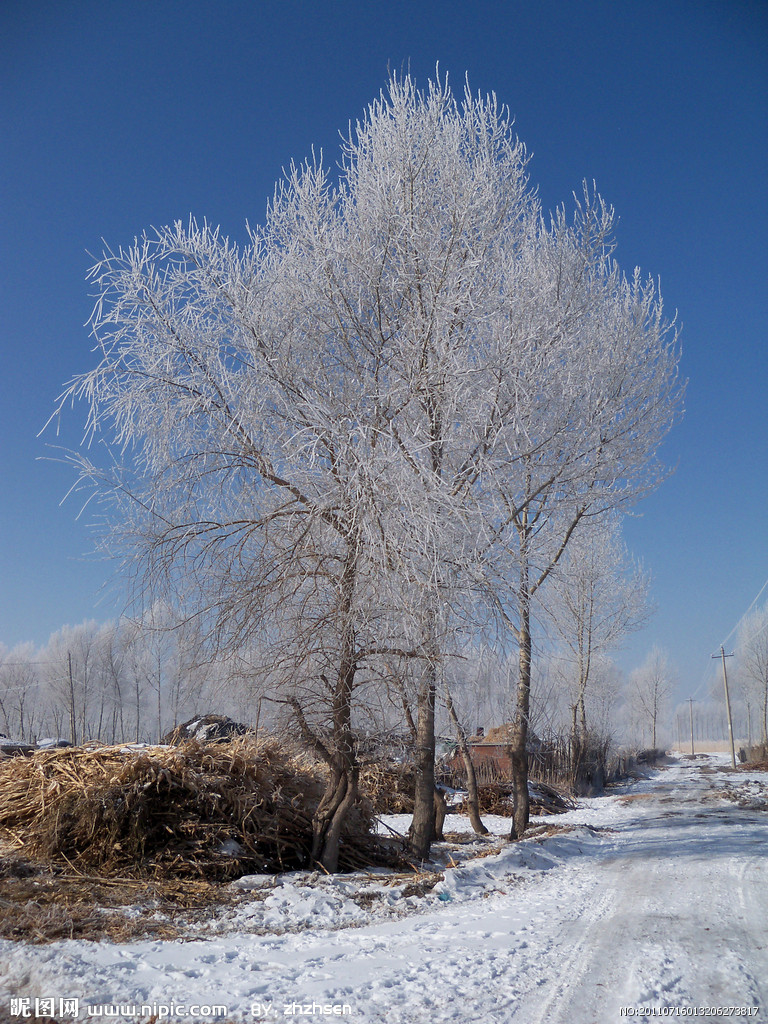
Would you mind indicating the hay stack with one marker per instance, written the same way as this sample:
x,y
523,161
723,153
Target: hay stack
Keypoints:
x,y
216,811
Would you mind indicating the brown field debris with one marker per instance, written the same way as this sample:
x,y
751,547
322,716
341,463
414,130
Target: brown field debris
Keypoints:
x,y
194,811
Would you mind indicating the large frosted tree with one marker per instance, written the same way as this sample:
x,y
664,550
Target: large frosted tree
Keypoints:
x,y
373,423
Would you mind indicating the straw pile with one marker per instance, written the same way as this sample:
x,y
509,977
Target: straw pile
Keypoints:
x,y
496,799
214,812
390,786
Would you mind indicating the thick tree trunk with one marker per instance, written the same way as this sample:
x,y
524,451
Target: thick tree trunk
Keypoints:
x,y
423,826
329,818
341,790
473,801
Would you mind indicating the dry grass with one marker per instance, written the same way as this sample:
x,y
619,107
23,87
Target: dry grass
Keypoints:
x,y
41,905
492,799
195,811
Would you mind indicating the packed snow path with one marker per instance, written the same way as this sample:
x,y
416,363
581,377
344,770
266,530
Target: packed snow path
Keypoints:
x,y
654,900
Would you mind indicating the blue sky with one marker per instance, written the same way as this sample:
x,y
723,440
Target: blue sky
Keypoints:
x,y
118,116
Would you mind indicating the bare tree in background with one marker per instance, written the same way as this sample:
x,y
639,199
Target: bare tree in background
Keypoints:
x,y
650,688
752,664
596,597
20,693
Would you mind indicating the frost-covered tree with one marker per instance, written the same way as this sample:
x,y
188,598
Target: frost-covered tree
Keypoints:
x,y
377,422
752,665
73,677
650,688
596,597
299,428
22,705
597,393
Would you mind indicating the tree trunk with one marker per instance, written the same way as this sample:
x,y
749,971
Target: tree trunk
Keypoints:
x,y
329,818
519,739
582,718
72,719
341,792
473,802
422,830
441,809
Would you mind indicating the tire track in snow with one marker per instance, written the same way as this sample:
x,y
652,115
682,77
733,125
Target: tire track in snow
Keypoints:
x,y
572,967
681,922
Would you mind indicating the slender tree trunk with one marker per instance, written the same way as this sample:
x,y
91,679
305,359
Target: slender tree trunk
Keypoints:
x,y
473,802
582,718
519,739
72,712
159,701
441,809
138,707
422,830
8,731
423,825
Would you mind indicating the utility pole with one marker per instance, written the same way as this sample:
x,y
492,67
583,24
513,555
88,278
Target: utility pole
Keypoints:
x,y
723,656
690,708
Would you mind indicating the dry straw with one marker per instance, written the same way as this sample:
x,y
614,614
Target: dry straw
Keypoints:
x,y
209,811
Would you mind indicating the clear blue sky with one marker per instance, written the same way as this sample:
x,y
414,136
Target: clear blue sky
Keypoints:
x,y
122,115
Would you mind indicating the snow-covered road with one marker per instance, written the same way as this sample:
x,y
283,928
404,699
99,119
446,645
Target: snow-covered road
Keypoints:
x,y
654,900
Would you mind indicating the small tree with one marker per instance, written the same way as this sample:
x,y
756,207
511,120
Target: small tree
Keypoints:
x,y
596,597
473,800
650,690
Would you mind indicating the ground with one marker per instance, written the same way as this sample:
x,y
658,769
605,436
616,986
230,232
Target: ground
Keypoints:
x,y
652,898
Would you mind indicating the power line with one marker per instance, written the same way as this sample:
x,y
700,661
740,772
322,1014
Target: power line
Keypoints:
x,y
706,674
746,613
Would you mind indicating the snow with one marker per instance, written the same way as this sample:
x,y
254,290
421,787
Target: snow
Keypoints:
x,y
654,897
